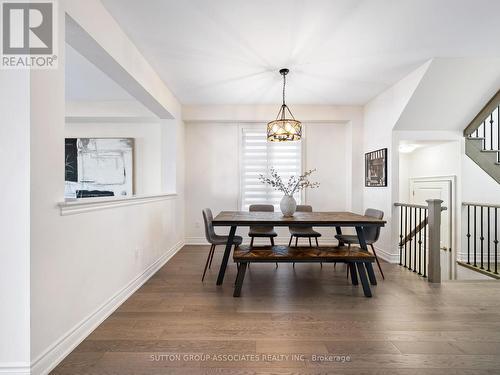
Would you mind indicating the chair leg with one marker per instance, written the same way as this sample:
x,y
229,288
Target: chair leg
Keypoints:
x,y
272,241
296,241
206,264
378,263
212,256
290,243
251,241
310,243
316,238
276,264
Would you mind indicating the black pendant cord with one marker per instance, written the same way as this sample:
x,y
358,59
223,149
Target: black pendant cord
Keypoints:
x,y
284,84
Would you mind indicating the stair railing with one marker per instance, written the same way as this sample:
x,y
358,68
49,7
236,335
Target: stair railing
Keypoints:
x,y
482,238
485,126
420,238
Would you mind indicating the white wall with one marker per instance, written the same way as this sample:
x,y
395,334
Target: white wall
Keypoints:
x,y
404,177
442,159
14,221
477,185
147,148
83,265
380,116
351,116
212,171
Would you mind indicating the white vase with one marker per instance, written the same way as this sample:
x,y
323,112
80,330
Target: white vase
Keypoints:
x,y
288,205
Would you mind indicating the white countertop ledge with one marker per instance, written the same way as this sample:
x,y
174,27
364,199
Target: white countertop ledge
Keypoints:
x,y
82,205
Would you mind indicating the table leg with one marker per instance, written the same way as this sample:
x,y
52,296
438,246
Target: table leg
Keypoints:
x,y
361,238
364,279
339,232
225,258
239,279
352,269
371,274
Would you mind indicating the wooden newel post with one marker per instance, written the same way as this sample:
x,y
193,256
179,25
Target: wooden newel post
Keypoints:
x,y
434,240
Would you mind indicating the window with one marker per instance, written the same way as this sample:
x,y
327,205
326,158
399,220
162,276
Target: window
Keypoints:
x,y
257,157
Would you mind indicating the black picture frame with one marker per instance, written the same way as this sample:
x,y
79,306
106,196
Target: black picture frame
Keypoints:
x,y
376,168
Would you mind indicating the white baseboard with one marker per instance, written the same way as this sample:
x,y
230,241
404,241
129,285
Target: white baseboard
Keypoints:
x,y
463,256
49,359
385,255
15,368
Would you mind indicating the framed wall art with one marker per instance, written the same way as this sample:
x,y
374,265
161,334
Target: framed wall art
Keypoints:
x,y
376,168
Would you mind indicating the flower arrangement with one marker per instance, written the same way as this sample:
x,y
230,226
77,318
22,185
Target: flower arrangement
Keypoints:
x,y
293,185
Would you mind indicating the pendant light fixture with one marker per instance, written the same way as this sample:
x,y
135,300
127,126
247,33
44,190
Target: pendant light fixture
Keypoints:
x,y
285,127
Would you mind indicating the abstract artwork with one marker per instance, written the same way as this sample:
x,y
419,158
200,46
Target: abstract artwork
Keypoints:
x,y
97,167
376,168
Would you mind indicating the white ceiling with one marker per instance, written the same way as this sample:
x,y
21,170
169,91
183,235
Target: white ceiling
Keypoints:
x,y
85,82
339,51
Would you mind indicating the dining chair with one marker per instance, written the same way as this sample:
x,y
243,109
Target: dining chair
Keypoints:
x,y
371,234
214,239
303,232
261,231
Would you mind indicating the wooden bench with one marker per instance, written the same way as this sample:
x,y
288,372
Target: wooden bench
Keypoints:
x,y
354,257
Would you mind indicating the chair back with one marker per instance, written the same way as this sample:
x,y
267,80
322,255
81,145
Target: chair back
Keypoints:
x,y
373,233
304,208
209,228
261,208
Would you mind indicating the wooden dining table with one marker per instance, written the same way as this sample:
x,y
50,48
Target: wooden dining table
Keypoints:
x,y
335,220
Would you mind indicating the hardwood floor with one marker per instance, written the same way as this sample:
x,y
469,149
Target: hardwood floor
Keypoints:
x,y
294,321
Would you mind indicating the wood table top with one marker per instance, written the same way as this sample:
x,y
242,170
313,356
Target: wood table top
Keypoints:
x,y
245,218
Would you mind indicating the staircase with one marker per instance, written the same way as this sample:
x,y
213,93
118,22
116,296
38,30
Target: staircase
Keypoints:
x,y
482,138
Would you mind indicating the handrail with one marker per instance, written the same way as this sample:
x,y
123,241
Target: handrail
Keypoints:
x,y
398,204
414,232
424,255
480,204
484,113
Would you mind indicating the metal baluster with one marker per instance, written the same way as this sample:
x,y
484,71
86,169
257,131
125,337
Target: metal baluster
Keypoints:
x,y
498,133
415,244
488,240
420,242
475,237
496,240
468,234
482,237
491,131
406,230
411,240
425,241
401,235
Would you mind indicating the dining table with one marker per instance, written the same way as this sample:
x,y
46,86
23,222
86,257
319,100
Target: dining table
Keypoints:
x,y
335,220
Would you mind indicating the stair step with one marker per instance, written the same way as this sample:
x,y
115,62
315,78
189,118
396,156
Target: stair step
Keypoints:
x,y
479,138
491,151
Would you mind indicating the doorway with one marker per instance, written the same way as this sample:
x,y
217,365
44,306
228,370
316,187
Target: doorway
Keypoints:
x,y
423,188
